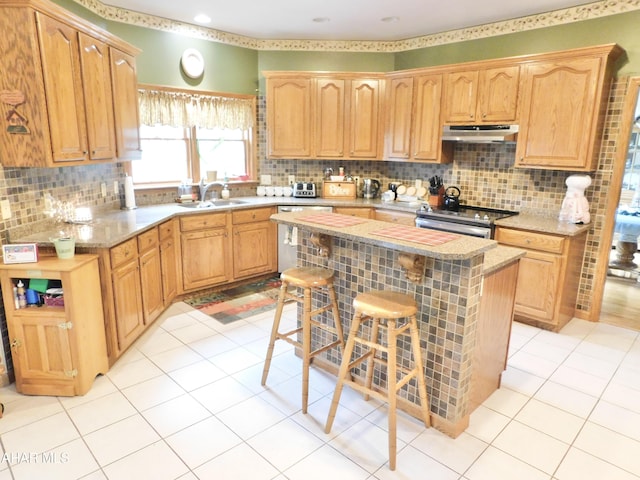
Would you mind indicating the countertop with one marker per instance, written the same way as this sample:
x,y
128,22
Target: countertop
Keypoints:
x,y
112,227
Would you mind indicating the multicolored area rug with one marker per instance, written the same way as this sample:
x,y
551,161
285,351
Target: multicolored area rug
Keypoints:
x,y
239,302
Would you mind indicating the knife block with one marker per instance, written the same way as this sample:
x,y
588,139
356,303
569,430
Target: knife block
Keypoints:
x,y
436,201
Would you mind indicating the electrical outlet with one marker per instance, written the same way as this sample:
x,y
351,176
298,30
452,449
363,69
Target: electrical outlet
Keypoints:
x,y
5,206
292,179
265,179
116,188
103,189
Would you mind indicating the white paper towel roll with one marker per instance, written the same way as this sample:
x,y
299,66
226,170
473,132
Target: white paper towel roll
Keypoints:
x,y
129,194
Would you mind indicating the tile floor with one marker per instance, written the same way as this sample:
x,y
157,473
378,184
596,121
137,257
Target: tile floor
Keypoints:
x,y
186,403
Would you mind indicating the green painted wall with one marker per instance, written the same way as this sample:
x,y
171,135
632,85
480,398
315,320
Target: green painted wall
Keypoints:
x,y
238,70
621,29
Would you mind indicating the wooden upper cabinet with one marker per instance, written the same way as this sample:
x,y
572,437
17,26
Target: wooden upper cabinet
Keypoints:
x,y
329,139
482,96
364,133
59,52
413,129
98,98
289,117
57,67
559,117
124,80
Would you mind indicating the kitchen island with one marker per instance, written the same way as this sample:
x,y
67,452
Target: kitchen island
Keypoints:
x,y
464,286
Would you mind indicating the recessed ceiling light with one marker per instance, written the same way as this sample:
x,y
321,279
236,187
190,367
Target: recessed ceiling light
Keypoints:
x,y
202,18
322,19
390,19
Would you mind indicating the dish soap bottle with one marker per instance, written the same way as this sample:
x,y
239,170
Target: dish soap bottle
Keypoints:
x,y
22,299
225,192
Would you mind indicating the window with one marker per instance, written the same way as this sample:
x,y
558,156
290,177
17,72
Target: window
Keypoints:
x,y
184,135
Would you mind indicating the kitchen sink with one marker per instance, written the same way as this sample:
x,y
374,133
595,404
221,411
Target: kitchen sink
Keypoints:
x,y
214,204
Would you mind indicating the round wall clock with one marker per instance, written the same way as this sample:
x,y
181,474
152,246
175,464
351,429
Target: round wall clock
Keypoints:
x,y
192,63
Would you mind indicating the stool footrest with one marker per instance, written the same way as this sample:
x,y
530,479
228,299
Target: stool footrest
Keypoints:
x,y
326,347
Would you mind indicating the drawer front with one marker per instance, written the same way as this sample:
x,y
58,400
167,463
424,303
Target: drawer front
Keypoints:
x,y
124,252
249,216
396,217
531,240
148,240
203,221
167,229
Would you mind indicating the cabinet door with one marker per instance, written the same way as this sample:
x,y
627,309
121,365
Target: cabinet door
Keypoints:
x,y
460,97
168,265
127,298
426,142
98,98
329,110
41,351
63,89
364,119
399,109
151,282
498,95
401,218
558,116
205,258
253,249
124,80
538,285
289,117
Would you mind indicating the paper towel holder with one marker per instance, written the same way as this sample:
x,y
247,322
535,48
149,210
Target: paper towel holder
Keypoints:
x,y
127,194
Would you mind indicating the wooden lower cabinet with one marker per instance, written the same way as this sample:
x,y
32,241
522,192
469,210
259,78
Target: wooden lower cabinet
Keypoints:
x,y
127,304
393,216
363,212
150,275
169,261
548,277
205,250
57,350
254,242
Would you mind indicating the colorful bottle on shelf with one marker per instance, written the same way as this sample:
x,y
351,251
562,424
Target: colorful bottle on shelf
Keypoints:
x,y
22,299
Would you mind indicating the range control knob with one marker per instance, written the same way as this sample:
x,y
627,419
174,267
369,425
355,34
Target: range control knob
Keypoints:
x,y
477,216
486,217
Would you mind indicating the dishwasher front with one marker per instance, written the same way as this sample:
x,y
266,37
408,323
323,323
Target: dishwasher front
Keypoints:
x,y
287,253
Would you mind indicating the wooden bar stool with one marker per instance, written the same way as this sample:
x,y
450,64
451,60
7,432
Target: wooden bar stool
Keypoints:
x,y
383,309
307,279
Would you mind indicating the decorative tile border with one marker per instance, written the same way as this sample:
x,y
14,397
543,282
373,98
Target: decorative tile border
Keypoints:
x,y
558,17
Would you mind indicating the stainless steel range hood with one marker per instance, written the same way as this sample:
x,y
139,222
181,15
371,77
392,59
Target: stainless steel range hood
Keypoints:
x,y
480,133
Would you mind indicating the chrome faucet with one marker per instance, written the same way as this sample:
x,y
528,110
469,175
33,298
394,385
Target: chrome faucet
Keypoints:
x,y
205,187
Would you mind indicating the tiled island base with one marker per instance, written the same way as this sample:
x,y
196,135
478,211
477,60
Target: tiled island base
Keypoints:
x,y
448,300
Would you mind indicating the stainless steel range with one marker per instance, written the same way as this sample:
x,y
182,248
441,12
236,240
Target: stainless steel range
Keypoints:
x,y
467,220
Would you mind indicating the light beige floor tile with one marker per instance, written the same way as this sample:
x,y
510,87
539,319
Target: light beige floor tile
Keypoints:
x,y
610,446
155,462
548,419
578,465
578,380
251,417
268,444
179,320
176,414
213,345
203,441
59,428
521,381
616,418
534,364
124,375
326,463
486,424
505,401
247,333
531,446
566,398
412,463
407,427
221,394
101,412
102,386
152,392
176,358
494,464
156,341
622,395
27,409
71,460
122,438
193,332
196,375
458,454
540,346
233,361
239,462
592,365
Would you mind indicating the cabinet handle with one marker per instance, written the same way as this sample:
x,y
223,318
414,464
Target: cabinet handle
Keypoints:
x,y
65,325
16,343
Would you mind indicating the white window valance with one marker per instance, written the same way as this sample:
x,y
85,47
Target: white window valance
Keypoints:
x,y
184,109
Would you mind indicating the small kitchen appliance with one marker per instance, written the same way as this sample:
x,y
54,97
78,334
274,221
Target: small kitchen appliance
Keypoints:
x,y
452,199
304,190
467,220
370,188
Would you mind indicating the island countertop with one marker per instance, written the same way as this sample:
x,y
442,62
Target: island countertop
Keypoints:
x,y
456,247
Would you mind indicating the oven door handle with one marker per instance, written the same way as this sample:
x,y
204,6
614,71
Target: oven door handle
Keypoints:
x,y
452,227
